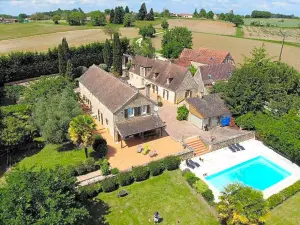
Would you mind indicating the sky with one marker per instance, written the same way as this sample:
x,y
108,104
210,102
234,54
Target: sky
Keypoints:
x,y
15,7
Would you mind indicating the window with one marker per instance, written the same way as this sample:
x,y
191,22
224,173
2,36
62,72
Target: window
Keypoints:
x,y
209,76
156,75
169,80
130,112
144,109
106,120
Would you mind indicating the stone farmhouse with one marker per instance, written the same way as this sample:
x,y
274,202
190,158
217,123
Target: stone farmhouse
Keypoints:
x,y
172,82
208,111
119,107
203,57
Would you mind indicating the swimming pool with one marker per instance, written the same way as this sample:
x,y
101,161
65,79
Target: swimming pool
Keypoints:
x,y
259,173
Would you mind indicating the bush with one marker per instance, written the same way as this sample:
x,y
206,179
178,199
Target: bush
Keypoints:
x,y
105,168
200,186
171,162
182,113
191,178
185,171
286,193
80,168
109,184
156,168
208,195
90,191
89,164
115,171
125,179
140,173
100,146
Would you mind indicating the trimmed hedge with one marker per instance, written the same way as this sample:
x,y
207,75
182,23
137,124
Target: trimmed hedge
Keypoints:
x,y
84,167
115,171
190,178
171,162
125,179
156,168
90,191
140,173
283,195
109,184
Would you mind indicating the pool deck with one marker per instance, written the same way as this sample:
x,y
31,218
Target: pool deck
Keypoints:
x,y
222,159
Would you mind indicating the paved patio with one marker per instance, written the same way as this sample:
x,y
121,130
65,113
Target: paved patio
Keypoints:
x,y
127,157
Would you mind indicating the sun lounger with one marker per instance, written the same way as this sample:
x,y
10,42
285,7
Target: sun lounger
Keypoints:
x,y
195,163
152,153
235,147
240,146
192,166
140,149
231,148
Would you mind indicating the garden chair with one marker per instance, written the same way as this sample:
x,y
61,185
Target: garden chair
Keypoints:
x,y
140,149
146,149
152,153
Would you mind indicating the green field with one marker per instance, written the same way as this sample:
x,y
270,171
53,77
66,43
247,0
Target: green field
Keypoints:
x,y
169,194
288,213
289,23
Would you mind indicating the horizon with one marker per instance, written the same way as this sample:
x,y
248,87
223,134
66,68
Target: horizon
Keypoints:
x,y
15,7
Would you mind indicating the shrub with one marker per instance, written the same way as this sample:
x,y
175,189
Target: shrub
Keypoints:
x,y
171,162
105,168
90,191
208,195
140,173
191,178
100,146
125,179
115,171
200,186
275,200
185,171
156,168
80,168
109,184
89,164
182,113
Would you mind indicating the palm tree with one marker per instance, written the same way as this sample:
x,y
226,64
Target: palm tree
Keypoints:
x,y
81,131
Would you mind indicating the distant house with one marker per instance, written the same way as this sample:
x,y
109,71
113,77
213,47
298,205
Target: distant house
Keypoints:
x,y
172,82
120,108
7,20
203,57
206,76
215,17
185,15
208,112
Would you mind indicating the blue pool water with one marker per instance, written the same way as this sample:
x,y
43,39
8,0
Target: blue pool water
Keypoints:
x,y
259,173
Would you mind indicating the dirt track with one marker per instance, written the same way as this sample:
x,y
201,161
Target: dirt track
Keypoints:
x,y
45,41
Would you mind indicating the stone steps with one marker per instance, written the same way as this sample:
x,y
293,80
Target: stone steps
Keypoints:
x,y
198,146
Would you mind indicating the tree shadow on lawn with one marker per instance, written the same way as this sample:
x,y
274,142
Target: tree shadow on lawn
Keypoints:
x,y
68,146
98,209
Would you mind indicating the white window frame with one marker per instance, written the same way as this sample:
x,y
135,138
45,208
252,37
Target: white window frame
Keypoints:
x,y
132,112
144,109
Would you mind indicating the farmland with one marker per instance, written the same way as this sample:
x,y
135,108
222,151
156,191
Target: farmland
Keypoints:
x,y
240,46
272,33
276,21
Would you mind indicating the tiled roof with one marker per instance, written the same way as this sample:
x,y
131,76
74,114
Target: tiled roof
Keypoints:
x,y
213,73
139,125
209,106
160,72
204,55
108,89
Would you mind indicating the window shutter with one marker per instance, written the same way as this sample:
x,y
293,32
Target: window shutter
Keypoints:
x,y
137,111
148,109
126,113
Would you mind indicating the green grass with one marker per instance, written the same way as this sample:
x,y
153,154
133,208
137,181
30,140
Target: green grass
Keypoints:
x,y
287,213
52,155
239,32
139,24
169,194
289,23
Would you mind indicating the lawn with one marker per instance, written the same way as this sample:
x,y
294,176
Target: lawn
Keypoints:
x,y
287,213
52,155
169,194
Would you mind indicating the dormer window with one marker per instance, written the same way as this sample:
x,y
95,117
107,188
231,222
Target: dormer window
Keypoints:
x,y
169,80
209,76
156,75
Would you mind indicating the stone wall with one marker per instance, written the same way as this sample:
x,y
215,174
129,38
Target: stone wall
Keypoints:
x,y
188,83
233,140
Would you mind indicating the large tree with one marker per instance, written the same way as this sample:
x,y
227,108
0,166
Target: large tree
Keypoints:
x,y
195,14
238,20
129,19
242,205
147,31
76,18
142,12
150,15
117,55
63,56
175,40
127,10
110,30
98,18
41,196
81,131
210,15
202,13
108,54
111,16
144,48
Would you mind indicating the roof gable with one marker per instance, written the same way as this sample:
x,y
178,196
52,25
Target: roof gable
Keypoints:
x,y
108,89
213,73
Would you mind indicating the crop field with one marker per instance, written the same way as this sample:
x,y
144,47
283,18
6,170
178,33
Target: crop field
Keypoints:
x,y
271,33
239,47
276,21
74,38
205,26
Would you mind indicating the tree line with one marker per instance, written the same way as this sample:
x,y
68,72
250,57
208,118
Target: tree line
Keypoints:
x,y
267,14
